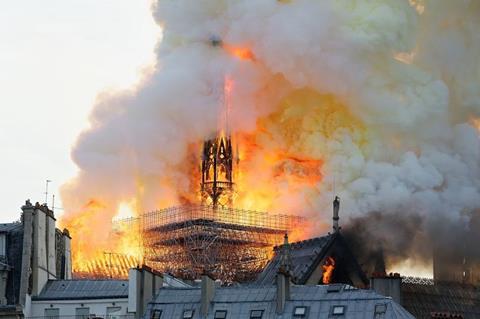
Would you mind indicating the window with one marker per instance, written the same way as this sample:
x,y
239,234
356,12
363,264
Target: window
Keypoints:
x,y
156,314
52,313
114,312
220,314
256,314
334,288
82,313
380,308
300,312
188,314
3,245
338,310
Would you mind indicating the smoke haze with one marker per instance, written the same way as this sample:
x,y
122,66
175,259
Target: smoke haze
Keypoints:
x,y
376,101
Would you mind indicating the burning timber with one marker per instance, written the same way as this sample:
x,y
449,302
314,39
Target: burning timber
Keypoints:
x,y
227,243
209,238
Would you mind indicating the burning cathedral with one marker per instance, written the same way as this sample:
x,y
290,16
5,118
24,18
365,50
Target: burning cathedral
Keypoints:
x,y
211,236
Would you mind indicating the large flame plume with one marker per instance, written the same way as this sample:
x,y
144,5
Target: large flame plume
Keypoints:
x,y
376,101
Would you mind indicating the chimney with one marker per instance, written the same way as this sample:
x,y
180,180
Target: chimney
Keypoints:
x,y
388,285
44,260
208,292
143,284
336,209
27,220
67,264
50,243
283,277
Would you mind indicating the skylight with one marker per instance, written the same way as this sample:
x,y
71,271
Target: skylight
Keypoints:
x,y
300,311
188,314
338,310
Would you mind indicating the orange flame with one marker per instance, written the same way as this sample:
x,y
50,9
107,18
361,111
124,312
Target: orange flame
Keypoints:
x,y
113,252
475,122
239,52
279,171
328,268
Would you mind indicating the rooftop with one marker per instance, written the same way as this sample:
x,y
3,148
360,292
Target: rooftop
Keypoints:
x,y
83,289
454,298
8,227
304,254
318,300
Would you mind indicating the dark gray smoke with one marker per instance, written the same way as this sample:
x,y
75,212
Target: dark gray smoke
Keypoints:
x,y
381,240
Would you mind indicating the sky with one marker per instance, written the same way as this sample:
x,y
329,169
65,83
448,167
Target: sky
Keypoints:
x,y
56,56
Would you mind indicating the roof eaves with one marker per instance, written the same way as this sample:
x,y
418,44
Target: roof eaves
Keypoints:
x,y
40,298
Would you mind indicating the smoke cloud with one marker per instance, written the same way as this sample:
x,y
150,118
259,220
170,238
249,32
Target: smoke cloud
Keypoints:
x,y
376,101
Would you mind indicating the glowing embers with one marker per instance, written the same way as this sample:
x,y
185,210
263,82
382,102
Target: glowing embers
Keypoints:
x,y
328,268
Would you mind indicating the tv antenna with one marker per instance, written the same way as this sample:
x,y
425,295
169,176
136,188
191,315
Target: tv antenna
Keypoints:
x,y
46,190
53,204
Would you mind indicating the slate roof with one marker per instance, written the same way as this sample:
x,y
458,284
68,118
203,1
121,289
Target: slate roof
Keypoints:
x,y
304,256
421,299
239,301
11,311
95,289
171,281
83,289
8,227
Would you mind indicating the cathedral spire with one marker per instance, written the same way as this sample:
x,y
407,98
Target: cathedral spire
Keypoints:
x,y
217,157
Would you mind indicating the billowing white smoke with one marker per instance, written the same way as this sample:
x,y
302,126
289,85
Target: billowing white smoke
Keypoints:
x,y
407,72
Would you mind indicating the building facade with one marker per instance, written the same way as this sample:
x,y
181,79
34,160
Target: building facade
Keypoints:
x,y
32,252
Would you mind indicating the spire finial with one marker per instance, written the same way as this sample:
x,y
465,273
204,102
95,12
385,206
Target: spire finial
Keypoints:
x,y
336,209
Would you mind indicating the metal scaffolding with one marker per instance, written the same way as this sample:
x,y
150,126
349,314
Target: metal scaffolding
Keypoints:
x,y
229,244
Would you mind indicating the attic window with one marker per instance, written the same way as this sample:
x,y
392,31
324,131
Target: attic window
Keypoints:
x,y
256,314
156,314
188,314
380,308
334,288
220,314
338,310
300,312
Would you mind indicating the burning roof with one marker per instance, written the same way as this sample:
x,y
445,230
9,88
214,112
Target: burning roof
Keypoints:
x,y
309,259
376,101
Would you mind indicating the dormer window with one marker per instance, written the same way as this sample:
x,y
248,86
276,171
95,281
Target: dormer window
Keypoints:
x,y
156,314
220,314
256,314
380,308
338,310
300,312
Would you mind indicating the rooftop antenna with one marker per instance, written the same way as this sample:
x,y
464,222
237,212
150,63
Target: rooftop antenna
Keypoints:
x,y
53,204
46,190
